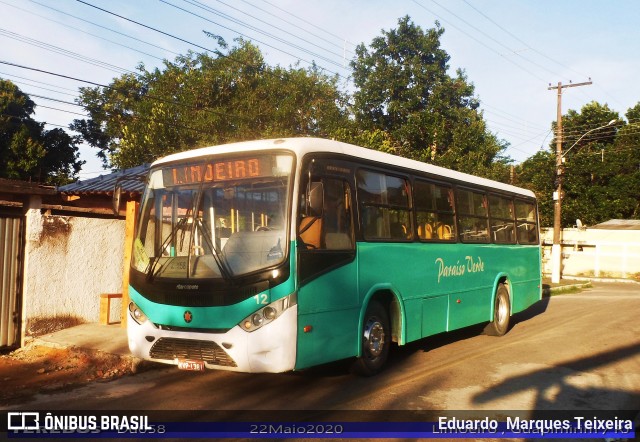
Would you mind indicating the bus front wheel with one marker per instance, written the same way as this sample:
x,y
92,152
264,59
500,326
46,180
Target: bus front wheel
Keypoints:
x,y
375,341
501,313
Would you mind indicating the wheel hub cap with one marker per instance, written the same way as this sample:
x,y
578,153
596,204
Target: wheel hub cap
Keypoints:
x,y
374,337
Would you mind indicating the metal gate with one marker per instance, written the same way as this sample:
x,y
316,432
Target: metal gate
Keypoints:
x,y
11,253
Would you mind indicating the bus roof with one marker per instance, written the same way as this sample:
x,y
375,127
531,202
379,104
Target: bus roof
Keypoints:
x,y
303,146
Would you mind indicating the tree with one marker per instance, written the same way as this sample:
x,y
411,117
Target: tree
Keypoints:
x,y
27,151
403,90
601,178
537,173
201,100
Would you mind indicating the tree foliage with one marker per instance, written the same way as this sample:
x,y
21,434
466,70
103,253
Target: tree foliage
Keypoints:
x,y
200,100
601,173
27,150
403,90
405,101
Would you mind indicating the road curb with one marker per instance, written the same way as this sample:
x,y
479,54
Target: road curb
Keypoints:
x,y
547,291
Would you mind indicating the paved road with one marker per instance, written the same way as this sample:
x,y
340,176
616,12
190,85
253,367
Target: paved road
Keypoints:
x,y
577,351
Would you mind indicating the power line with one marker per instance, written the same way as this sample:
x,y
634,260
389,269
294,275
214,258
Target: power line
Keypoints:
x,y
54,99
36,81
83,31
244,35
150,97
520,40
261,21
300,27
306,22
44,88
52,73
61,110
494,39
182,39
175,37
480,42
62,51
106,28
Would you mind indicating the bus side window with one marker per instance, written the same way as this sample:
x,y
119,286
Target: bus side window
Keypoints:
x,y
333,229
527,226
385,206
337,220
310,227
434,211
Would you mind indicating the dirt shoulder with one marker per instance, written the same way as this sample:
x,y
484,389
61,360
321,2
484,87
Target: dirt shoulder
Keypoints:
x,y
40,369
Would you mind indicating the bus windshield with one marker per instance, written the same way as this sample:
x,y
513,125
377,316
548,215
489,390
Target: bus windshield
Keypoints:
x,y
214,218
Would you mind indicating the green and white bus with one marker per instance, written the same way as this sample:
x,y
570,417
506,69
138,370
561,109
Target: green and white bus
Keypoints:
x,y
278,255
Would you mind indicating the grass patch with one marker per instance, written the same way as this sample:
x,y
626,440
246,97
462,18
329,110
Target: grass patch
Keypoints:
x,y
565,290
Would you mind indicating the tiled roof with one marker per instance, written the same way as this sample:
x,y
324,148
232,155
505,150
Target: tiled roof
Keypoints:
x,y
104,184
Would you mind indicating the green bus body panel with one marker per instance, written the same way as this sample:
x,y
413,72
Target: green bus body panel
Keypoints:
x,y
441,287
331,306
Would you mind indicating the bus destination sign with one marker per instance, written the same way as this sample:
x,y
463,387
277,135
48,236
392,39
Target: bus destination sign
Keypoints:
x,y
216,171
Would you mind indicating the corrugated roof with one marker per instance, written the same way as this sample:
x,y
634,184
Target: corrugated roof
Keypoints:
x,y
619,224
104,184
24,187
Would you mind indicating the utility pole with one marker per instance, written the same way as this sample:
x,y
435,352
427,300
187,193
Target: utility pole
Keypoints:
x,y
556,249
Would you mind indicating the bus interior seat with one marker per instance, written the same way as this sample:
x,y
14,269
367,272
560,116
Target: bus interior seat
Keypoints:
x,y
310,231
251,249
444,231
338,241
398,230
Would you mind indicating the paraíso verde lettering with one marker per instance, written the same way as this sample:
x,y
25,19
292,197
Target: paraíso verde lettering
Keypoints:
x,y
470,265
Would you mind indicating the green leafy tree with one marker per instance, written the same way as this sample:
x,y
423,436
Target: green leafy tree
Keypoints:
x,y
537,173
404,91
201,100
27,151
601,172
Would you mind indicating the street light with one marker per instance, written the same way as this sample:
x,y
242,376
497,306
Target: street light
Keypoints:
x,y
556,248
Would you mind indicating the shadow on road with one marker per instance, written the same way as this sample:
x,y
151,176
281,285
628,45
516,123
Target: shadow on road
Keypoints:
x,y
560,392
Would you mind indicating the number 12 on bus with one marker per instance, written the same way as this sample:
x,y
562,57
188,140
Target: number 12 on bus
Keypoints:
x,y
278,255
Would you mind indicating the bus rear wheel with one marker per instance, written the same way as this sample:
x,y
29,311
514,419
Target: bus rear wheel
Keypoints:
x,y
375,341
501,313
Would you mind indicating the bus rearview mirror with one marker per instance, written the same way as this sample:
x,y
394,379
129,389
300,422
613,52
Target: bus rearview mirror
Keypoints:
x,y
316,199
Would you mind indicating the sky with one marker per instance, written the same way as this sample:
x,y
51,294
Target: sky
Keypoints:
x,y
511,50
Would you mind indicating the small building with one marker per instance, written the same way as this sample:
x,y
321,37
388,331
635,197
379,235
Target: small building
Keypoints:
x,y
61,249
607,250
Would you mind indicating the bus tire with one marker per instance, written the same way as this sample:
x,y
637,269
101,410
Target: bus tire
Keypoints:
x,y
375,341
501,313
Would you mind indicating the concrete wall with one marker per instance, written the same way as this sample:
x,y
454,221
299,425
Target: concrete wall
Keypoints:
x,y
70,260
595,253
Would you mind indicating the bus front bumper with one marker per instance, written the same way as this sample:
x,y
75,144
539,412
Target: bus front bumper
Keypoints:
x,y
269,349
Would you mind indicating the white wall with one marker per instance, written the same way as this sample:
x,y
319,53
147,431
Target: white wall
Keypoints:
x,y
595,253
70,260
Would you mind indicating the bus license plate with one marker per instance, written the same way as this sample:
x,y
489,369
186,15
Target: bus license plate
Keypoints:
x,y
190,365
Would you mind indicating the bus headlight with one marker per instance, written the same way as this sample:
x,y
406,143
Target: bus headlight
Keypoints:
x,y
137,314
268,313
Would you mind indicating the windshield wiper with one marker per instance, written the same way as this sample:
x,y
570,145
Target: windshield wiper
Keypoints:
x,y
150,270
225,271
218,256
